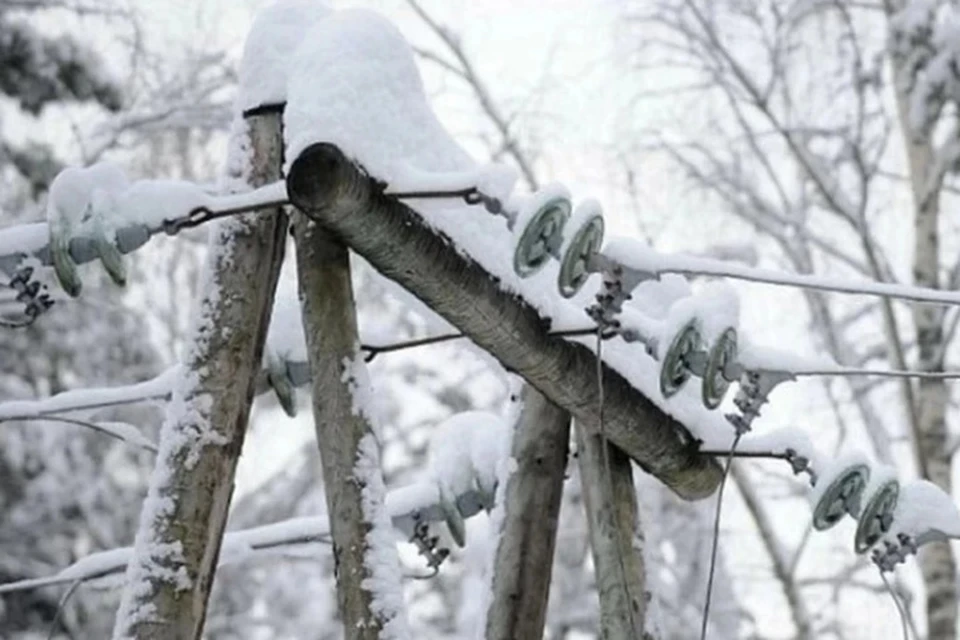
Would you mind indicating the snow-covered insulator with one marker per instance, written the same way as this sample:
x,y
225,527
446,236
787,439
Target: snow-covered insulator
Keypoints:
x,y
674,368
841,495
924,513
466,450
540,224
578,247
878,513
81,203
720,357
279,379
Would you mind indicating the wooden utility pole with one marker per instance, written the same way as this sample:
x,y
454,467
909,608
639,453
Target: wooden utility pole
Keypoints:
x,y
526,542
330,325
611,504
185,513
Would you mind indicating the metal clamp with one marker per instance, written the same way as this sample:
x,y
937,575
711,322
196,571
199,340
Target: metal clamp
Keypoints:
x,y
427,545
32,293
894,553
800,464
754,391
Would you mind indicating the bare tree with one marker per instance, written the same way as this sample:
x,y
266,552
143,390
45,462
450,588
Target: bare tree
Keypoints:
x,y
808,150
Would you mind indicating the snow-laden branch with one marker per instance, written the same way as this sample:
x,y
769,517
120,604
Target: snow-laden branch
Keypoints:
x,y
406,506
157,388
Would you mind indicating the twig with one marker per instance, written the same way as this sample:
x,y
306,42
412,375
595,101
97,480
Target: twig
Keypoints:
x,y
60,607
143,443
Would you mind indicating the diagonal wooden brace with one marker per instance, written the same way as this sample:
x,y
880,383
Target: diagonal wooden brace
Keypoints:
x,y
338,195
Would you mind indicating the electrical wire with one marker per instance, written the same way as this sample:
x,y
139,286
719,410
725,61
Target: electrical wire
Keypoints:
x,y
900,609
716,537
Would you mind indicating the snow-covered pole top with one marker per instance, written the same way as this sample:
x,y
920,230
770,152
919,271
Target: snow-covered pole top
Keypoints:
x,y
276,33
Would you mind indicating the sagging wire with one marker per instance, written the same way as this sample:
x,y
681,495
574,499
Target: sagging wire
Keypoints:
x,y
900,607
374,350
203,214
716,535
472,196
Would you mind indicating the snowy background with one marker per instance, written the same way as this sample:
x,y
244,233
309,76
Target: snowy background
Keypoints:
x,y
588,99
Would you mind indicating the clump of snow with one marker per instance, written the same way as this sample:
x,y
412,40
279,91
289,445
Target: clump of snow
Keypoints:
x,y
466,451
365,402
718,308
506,467
526,207
925,512
383,579
80,196
101,196
658,296
757,357
353,82
150,202
492,180
681,313
276,32
285,337
633,254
